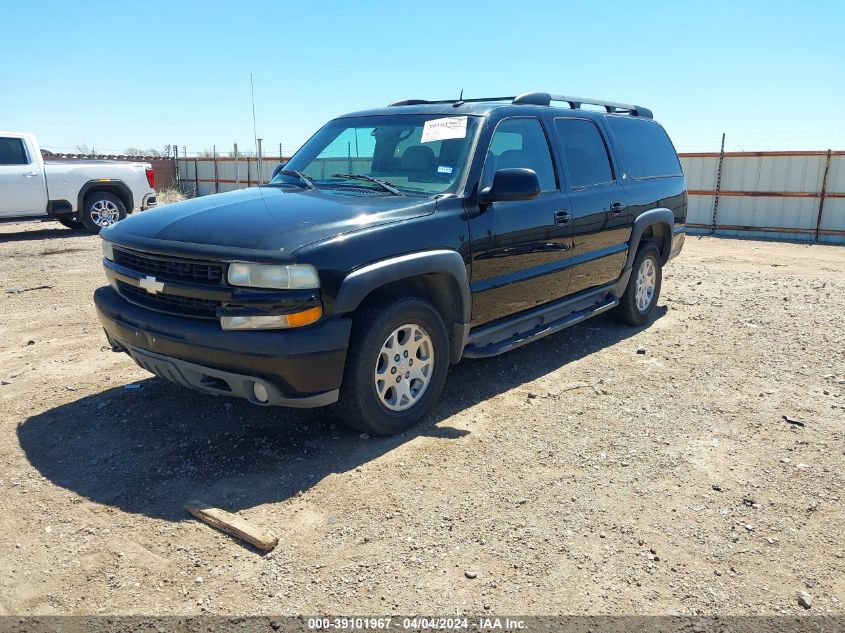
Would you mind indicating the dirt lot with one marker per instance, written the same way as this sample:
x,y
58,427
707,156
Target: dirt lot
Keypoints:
x,y
575,475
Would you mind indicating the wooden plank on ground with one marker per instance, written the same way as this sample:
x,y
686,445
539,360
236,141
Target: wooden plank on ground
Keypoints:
x,y
232,524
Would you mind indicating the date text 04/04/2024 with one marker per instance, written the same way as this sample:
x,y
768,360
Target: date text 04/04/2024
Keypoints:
x,y
416,623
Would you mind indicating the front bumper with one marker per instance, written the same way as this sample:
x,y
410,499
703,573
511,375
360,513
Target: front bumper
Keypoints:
x,y
298,368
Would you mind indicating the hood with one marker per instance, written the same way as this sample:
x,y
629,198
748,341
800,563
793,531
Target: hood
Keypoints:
x,y
264,219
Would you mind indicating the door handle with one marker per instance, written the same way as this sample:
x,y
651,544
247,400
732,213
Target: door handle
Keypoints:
x,y
616,208
562,217
30,174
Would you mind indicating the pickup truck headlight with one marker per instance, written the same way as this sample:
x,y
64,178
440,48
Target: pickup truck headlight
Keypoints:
x,y
272,322
108,253
292,277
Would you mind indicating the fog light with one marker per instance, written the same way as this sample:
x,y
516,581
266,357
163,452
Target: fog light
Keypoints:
x,y
260,392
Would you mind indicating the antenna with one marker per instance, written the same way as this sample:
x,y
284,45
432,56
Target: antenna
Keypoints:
x,y
252,93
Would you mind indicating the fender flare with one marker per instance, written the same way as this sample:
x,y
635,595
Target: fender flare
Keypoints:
x,y
643,221
361,282
106,185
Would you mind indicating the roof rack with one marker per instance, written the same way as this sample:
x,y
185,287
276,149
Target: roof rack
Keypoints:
x,y
542,99
456,102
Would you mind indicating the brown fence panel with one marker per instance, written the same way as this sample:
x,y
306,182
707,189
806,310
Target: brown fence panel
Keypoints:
x,y
165,173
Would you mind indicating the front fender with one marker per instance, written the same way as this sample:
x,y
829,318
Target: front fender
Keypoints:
x,y
361,282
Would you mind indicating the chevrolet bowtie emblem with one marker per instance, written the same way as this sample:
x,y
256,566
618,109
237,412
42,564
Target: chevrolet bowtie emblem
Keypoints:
x,y
151,285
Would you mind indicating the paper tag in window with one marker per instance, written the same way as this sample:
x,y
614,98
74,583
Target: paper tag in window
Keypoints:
x,y
443,129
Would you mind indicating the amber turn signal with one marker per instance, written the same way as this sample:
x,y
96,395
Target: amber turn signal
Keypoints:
x,y
272,322
306,317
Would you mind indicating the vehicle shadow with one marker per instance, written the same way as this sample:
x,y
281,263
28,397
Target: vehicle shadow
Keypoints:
x,y
54,231
151,449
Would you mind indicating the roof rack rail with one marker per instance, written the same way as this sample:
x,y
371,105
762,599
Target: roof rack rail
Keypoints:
x,y
456,102
542,99
612,107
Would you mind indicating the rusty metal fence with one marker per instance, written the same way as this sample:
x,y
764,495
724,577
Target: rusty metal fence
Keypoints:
x,y
779,195
201,176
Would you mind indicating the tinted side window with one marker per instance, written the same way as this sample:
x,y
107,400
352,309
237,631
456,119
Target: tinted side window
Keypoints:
x,y
584,151
520,143
12,152
646,148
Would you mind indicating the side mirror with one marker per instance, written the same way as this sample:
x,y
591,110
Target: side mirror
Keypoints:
x,y
511,184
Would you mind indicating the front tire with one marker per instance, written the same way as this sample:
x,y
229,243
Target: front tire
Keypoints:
x,y
102,210
396,366
643,290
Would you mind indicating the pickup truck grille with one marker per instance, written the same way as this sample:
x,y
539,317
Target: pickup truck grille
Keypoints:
x,y
173,304
171,268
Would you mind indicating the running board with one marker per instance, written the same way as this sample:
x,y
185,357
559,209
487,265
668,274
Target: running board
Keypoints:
x,y
519,339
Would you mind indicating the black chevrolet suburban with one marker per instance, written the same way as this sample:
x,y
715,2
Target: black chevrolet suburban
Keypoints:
x,y
396,242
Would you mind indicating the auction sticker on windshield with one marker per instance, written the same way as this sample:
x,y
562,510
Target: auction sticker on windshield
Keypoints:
x,y
443,129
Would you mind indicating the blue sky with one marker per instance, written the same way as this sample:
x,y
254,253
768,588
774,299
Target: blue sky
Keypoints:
x,y
124,74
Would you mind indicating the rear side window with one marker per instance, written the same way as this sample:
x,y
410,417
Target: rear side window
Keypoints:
x,y
584,151
645,146
520,142
12,152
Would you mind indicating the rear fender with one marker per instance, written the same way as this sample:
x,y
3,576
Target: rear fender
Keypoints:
x,y
116,187
641,224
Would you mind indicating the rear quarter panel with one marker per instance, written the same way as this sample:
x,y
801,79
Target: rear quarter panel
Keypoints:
x,y
65,179
653,193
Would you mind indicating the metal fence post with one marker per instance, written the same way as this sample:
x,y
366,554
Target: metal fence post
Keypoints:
x,y
260,172
822,195
718,186
176,176
214,152
237,169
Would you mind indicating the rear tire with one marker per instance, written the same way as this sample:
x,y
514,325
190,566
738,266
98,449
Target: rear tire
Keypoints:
x,y
395,367
643,290
76,225
102,210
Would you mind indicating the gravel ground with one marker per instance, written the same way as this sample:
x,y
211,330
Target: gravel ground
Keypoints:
x,y
605,470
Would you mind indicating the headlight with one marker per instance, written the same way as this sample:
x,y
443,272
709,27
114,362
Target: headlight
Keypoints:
x,y
293,277
108,252
272,322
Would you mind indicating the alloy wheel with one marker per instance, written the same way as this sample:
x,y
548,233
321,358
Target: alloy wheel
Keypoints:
x,y
404,367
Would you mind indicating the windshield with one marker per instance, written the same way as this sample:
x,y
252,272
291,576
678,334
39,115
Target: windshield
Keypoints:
x,y
402,154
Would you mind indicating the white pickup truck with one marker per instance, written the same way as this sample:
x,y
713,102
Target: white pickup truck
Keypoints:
x,y
90,194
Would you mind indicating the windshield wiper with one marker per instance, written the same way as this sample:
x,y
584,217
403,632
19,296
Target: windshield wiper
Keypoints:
x,y
298,174
387,186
